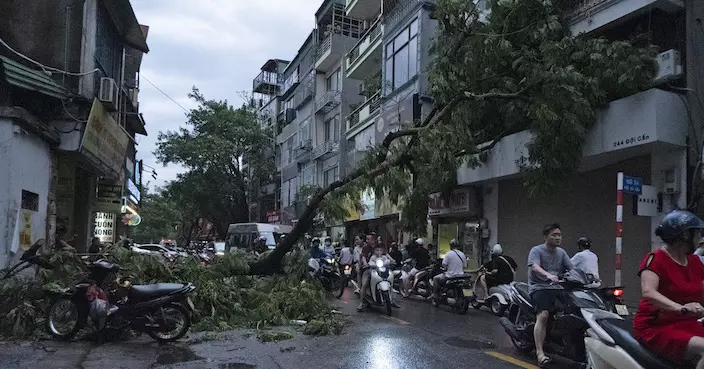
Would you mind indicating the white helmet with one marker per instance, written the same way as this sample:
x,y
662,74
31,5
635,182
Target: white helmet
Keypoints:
x,y
497,250
419,241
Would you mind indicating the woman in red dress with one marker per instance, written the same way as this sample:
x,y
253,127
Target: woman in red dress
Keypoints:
x,y
672,284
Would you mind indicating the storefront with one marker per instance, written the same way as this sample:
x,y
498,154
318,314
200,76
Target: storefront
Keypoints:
x,y
457,216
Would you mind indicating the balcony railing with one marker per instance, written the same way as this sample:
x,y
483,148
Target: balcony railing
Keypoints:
x,y
328,147
291,81
327,102
364,111
583,7
369,37
305,90
323,46
267,81
394,11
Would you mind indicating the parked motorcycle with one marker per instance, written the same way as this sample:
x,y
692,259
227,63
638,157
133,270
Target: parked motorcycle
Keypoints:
x,y
497,299
161,310
566,327
380,282
609,345
456,293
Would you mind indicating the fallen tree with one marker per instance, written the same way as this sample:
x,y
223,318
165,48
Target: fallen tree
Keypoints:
x,y
517,69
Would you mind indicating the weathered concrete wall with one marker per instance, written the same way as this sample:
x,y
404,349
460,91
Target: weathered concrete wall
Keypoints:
x,y
25,161
48,31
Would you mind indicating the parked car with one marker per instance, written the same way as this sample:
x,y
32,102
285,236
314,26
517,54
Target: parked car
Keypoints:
x,y
243,235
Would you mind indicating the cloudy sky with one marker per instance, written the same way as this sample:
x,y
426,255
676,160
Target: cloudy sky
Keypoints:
x,y
216,45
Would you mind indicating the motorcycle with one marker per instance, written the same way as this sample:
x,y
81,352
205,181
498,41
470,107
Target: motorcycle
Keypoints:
x,y
497,299
347,276
380,282
422,284
328,273
609,345
566,327
456,293
161,310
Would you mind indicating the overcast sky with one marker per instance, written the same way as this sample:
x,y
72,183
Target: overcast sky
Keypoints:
x,y
216,45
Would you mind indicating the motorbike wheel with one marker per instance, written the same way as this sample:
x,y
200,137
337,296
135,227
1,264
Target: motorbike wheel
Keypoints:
x,y
387,301
496,307
70,310
476,304
173,310
342,286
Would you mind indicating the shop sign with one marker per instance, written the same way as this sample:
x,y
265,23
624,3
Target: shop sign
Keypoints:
x,y
273,217
352,213
648,202
104,139
135,195
109,197
462,200
367,200
105,227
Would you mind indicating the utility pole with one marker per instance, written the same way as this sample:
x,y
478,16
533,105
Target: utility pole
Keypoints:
x,y
694,13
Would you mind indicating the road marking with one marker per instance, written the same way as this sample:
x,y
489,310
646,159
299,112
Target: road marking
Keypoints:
x,y
397,320
512,360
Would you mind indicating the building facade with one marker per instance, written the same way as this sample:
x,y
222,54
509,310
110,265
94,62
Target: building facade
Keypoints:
x,y
70,115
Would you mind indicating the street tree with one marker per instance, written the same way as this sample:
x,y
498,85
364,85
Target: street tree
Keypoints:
x,y
160,218
211,148
517,68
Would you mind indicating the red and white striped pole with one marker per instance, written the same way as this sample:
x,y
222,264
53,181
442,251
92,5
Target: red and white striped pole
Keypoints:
x,y
619,226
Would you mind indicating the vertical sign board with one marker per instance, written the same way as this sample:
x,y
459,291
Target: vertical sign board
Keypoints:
x,y
629,185
105,227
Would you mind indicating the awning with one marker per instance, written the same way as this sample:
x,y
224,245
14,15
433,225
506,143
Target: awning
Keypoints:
x,y
27,78
125,22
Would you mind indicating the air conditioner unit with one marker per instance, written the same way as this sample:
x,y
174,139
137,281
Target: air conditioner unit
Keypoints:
x,y
108,93
669,66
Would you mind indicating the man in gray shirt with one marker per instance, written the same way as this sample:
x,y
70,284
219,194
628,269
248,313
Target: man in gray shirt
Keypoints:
x,y
545,263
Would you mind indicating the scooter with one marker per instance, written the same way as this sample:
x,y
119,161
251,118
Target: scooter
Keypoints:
x,y
609,345
422,283
497,299
347,276
453,293
380,282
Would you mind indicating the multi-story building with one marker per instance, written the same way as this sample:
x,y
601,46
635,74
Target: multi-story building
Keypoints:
x,y
69,82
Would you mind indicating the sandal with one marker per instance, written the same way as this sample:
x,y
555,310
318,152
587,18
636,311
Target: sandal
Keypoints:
x,y
544,360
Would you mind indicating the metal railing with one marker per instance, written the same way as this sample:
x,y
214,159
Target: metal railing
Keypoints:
x,y
329,100
271,78
393,11
372,104
580,8
323,46
291,81
326,147
368,38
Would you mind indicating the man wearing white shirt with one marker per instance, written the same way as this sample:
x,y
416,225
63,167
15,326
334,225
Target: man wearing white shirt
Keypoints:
x,y
585,260
455,261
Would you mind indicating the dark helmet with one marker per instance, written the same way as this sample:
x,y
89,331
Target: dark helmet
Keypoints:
x,y
676,222
584,242
454,243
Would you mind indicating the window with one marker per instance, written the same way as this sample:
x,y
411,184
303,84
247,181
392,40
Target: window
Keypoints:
x,y
304,133
401,62
289,189
308,177
288,150
30,201
334,81
330,176
332,129
288,104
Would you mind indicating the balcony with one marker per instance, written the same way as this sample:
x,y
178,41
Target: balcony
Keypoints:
x,y
328,51
363,9
268,83
290,82
305,91
303,151
394,11
330,100
365,112
325,150
589,15
365,58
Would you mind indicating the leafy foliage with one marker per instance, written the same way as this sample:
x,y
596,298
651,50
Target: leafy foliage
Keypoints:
x,y
211,148
161,216
226,297
517,68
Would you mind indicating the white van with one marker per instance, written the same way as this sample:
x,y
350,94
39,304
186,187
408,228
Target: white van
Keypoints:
x,y
243,235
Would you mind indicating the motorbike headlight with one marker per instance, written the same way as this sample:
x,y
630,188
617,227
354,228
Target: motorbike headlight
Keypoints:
x,y
331,261
382,269
379,264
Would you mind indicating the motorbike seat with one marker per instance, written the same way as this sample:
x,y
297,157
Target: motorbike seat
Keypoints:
x,y
458,277
106,266
146,291
523,290
625,340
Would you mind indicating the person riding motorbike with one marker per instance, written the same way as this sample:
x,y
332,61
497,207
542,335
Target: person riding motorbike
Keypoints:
x,y
329,249
380,254
587,261
501,269
454,261
422,257
363,268
671,284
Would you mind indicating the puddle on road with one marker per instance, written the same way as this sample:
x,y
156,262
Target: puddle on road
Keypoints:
x,y
236,366
175,355
469,343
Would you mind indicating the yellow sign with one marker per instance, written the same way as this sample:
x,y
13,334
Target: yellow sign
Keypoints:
x,y
352,213
103,139
25,230
446,232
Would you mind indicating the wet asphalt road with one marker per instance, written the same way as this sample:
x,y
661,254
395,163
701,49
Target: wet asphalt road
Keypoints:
x,y
416,336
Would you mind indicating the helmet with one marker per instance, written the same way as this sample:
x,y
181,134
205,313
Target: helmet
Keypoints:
x,y
497,250
328,239
676,222
454,243
316,239
584,242
419,241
